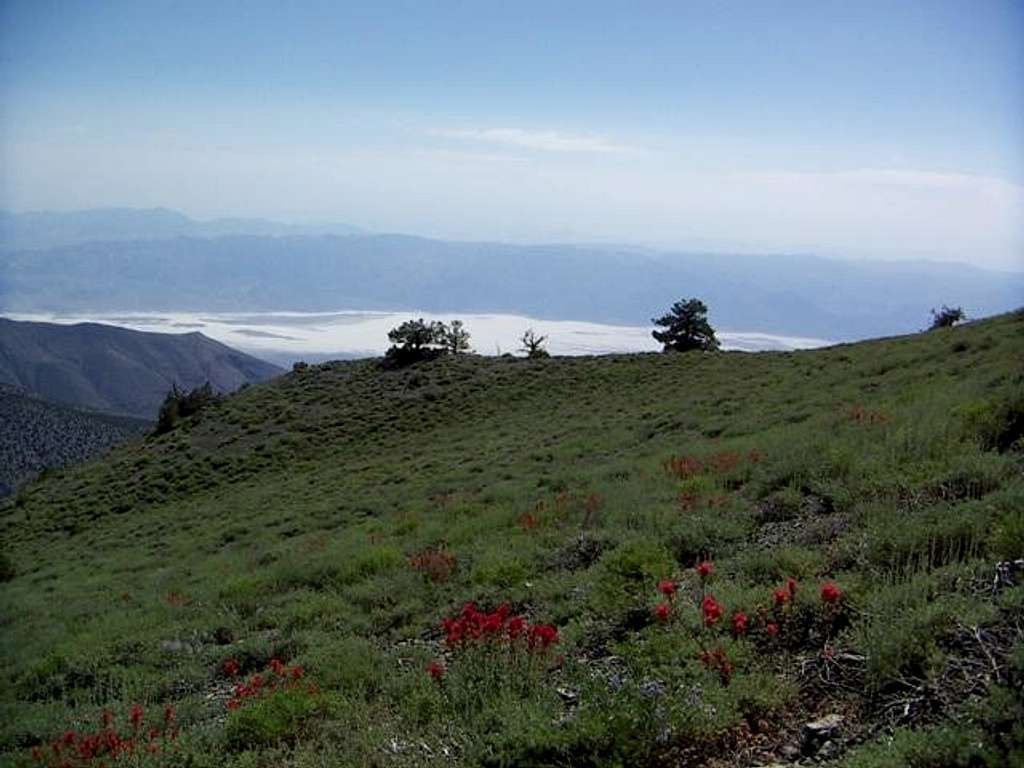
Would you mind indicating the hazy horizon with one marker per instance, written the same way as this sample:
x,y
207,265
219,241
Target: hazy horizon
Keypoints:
x,y
858,132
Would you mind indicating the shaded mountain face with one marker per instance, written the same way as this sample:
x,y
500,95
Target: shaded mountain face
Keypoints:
x,y
38,435
116,370
788,295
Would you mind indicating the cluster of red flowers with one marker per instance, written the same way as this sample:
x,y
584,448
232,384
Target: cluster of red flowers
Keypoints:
x,y
528,521
724,462
437,564
80,749
711,610
684,467
858,414
740,624
831,594
718,660
474,627
281,678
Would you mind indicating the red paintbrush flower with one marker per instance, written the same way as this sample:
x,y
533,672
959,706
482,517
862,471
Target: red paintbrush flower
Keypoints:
x,y
704,569
830,593
663,612
711,609
668,588
739,623
436,670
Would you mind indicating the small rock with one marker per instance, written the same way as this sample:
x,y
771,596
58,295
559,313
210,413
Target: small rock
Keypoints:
x,y
652,689
790,751
815,733
829,750
569,695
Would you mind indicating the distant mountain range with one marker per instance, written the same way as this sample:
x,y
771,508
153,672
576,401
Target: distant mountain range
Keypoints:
x,y
48,229
115,370
37,435
794,295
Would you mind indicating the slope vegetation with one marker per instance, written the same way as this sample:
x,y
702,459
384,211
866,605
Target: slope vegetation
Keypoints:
x,y
269,583
38,435
117,370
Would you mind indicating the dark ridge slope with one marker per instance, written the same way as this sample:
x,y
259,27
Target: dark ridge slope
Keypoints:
x,y
116,370
36,435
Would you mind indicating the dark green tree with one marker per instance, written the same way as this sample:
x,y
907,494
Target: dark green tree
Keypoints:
x,y
414,341
179,404
455,338
947,317
686,327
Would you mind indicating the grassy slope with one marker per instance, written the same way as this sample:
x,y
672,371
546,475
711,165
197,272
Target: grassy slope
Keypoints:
x,y
282,523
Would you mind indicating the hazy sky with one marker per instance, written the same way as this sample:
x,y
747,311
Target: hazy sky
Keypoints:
x,y
884,129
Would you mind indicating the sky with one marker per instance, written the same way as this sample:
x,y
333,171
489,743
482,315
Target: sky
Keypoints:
x,y
853,129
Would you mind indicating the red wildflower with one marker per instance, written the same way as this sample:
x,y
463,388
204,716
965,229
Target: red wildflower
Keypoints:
x,y
542,637
70,738
436,670
277,666
772,629
704,569
136,716
830,593
668,588
739,623
230,668
297,672
663,611
711,609
781,596
516,626
169,714
234,704
791,586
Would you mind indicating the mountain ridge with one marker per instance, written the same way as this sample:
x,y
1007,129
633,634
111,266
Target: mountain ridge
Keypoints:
x,y
790,295
115,370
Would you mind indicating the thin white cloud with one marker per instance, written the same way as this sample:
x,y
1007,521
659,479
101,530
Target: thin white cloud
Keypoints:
x,y
546,141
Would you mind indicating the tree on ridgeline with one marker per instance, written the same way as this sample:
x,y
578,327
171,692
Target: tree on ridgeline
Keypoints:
x,y
415,341
455,338
533,345
947,317
686,328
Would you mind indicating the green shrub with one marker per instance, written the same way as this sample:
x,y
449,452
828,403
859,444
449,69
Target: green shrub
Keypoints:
x,y
996,424
280,717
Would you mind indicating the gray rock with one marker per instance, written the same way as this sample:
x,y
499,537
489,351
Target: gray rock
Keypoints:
x,y
816,733
790,751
